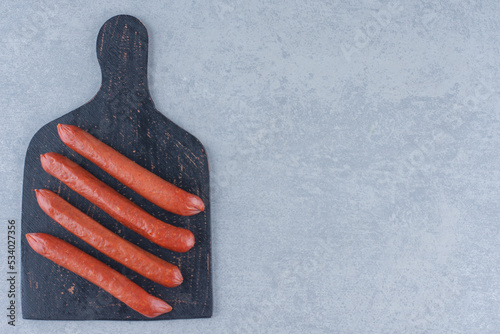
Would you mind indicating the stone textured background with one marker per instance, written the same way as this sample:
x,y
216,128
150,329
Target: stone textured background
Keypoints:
x,y
354,151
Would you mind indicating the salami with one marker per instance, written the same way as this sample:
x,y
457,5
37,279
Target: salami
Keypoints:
x,y
107,242
95,271
117,206
142,181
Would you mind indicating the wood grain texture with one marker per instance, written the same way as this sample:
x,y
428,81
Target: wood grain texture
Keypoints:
x,y
122,115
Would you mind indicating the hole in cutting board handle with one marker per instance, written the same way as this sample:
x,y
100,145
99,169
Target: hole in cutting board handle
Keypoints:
x,y
122,51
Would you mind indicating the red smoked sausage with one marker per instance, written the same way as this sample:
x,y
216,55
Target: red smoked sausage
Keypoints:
x,y
108,243
95,271
117,206
137,178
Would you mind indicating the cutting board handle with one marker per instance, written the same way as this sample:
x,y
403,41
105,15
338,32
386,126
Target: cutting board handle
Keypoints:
x,y
122,51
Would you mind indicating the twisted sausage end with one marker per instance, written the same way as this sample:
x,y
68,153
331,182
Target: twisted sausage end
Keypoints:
x,y
158,307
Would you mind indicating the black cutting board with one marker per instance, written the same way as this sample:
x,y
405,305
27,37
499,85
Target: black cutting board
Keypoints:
x,y
122,115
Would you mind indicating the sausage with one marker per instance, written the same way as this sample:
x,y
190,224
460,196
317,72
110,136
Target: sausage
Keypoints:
x,y
95,271
108,243
148,185
117,206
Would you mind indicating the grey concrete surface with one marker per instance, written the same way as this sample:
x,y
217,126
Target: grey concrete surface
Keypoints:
x,y
353,150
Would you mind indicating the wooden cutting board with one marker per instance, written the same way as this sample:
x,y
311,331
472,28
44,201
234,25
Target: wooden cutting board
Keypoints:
x,y
122,115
